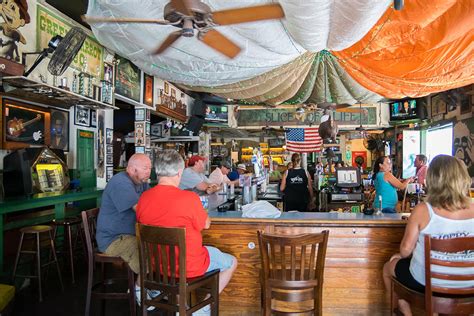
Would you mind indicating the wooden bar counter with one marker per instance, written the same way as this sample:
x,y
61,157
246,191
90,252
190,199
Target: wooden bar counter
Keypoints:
x,y
358,247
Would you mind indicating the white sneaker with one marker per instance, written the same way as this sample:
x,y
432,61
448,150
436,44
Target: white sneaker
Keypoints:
x,y
138,298
205,311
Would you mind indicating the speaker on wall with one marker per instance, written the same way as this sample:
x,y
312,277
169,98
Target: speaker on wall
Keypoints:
x,y
422,111
199,108
194,124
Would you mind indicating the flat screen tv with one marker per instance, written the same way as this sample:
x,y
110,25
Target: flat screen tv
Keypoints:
x,y
348,177
217,114
406,109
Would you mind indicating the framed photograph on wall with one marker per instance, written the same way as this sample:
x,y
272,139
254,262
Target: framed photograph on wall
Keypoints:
x,y
109,173
139,114
109,159
82,116
109,149
438,105
127,79
24,124
108,73
156,130
148,89
140,150
109,135
59,130
167,88
93,118
173,93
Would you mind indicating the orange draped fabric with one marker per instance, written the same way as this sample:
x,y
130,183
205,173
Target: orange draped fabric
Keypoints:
x,y
427,47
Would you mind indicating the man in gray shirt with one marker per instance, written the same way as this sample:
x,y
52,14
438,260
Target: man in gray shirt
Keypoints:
x,y
194,179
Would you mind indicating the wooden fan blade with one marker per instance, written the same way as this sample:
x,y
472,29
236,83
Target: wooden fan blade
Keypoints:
x,y
168,42
182,6
346,110
249,14
342,105
100,19
221,43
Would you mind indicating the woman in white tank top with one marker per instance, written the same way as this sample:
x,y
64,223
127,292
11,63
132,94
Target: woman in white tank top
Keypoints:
x,y
447,213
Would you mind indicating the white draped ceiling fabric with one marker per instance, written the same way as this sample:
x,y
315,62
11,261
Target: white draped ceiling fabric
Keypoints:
x,y
309,26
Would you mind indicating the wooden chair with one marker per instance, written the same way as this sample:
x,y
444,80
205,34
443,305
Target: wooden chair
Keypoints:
x,y
437,299
292,270
160,247
99,289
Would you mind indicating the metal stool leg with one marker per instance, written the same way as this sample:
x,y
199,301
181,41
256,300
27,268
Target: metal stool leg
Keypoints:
x,y
71,258
38,265
53,250
18,256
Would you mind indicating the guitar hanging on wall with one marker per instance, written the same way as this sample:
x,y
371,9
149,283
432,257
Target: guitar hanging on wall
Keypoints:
x,y
16,127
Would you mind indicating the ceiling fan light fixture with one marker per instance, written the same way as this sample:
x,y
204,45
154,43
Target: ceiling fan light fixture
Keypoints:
x,y
188,30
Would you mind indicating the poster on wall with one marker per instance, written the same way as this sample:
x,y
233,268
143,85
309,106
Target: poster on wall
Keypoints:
x,y
100,143
463,146
13,38
49,24
127,79
359,158
24,125
148,90
171,101
411,148
59,130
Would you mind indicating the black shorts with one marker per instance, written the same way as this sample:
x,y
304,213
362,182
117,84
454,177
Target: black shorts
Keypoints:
x,y
402,273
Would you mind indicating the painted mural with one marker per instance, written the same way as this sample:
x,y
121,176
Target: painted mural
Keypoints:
x,y
14,14
463,143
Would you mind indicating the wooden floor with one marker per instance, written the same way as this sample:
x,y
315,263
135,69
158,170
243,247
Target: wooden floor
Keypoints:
x,y
353,282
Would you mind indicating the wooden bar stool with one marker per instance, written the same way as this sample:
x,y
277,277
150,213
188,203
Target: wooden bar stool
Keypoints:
x,y
68,224
292,272
36,231
102,289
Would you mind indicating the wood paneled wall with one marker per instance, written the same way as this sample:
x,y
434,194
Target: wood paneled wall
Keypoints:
x,y
355,256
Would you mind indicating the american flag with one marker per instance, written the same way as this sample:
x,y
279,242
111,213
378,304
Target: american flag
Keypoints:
x,y
303,140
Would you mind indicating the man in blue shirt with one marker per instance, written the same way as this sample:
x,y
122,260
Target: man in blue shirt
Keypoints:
x,y
116,222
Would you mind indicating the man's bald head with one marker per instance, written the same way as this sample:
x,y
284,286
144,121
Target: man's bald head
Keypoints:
x,y
139,168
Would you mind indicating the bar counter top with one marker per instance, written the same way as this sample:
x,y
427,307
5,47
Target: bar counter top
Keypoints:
x,y
355,219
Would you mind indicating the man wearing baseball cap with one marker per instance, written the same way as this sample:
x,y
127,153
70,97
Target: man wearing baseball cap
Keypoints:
x,y
194,179
220,174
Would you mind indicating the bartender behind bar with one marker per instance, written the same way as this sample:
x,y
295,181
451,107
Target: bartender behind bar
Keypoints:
x,y
194,179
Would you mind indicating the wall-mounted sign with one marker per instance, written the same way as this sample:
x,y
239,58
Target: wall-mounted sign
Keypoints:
x,y
49,25
171,101
286,117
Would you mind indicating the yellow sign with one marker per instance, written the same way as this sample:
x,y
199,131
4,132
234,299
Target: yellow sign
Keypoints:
x,y
49,25
86,134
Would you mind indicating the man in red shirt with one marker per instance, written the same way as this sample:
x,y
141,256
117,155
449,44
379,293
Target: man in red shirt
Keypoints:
x,y
168,206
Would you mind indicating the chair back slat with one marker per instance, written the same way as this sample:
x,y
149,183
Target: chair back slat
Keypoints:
x,y
302,261
446,246
455,264
293,262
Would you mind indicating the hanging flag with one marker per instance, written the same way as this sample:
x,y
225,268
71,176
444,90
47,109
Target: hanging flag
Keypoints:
x,y
303,140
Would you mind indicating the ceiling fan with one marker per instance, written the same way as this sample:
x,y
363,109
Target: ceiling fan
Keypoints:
x,y
191,15
326,105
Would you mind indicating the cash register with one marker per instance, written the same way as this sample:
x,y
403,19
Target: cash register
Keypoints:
x,y
348,186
